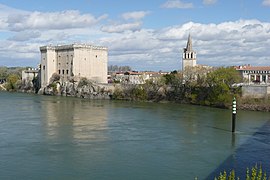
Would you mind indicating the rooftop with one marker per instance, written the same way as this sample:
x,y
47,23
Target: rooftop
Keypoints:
x,y
72,46
253,68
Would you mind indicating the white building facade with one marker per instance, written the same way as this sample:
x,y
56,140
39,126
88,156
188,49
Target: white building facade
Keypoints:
x,y
76,60
29,74
255,74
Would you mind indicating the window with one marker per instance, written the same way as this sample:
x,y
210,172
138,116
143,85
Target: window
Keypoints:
x,y
96,56
59,71
67,71
43,67
63,71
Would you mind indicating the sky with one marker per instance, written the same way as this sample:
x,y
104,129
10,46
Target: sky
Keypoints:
x,y
143,34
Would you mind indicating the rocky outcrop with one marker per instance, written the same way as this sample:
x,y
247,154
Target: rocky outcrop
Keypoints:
x,y
83,89
2,87
255,107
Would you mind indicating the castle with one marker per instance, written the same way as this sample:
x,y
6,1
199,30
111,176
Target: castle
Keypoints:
x,y
76,60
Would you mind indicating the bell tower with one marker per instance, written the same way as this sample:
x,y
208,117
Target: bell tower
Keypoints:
x,y
189,56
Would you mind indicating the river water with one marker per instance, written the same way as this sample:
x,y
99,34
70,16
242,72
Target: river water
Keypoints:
x,y
44,137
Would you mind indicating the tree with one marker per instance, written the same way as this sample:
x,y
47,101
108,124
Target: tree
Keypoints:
x,y
55,77
225,75
220,83
3,72
114,68
172,78
12,80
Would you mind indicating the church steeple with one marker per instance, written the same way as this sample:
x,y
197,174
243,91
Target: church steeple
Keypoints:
x,y
189,44
189,56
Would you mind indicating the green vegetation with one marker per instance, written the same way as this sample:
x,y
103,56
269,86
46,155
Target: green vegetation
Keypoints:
x,y
255,174
6,71
84,82
115,68
10,78
12,82
197,86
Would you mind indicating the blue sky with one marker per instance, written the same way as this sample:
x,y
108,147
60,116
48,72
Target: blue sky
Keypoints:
x,y
146,35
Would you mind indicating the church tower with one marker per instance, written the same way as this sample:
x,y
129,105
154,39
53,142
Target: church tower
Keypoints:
x,y
189,56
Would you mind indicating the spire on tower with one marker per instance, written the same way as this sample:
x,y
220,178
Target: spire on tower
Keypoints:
x,y
189,44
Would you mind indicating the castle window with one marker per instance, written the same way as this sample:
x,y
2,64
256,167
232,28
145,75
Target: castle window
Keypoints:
x,y
63,71
59,71
67,71
191,55
43,67
96,56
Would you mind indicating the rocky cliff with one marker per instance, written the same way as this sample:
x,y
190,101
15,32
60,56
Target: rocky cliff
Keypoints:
x,y
83,88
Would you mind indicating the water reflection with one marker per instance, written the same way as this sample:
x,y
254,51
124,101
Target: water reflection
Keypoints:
x,y
71,119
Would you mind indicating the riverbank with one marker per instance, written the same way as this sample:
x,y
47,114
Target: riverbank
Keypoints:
x,y
254,104
160,94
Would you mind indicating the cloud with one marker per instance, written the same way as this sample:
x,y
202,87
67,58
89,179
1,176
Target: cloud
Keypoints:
x,y
266,2
208,2
222,44
131,23
136,15
25,36
177,4
119,28
16,20
227,43
52,20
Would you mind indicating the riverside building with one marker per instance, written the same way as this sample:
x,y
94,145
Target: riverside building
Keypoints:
x,y
259,75
75,60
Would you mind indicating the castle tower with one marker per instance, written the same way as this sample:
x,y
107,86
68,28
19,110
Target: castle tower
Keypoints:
x,y
189,56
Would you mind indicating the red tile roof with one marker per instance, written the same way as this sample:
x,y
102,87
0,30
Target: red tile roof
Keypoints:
x,y
253,68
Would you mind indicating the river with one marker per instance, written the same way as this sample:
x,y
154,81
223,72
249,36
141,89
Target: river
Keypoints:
x,y
46,137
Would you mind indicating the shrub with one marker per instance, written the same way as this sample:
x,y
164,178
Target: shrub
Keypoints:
x,y
83,82
255,174
55,77
12,82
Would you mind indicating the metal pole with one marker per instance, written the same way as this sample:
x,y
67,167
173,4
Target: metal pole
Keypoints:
x,y
233,114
